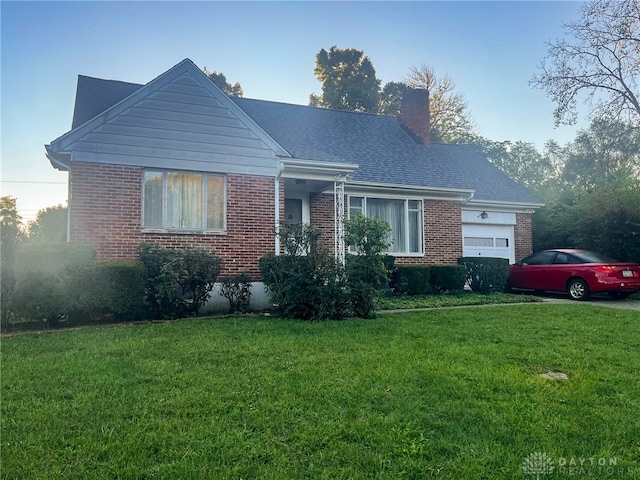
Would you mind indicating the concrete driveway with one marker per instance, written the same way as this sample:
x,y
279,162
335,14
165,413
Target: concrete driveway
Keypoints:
x,y
627,303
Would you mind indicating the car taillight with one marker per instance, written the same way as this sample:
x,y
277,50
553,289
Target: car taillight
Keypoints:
x,y
604,270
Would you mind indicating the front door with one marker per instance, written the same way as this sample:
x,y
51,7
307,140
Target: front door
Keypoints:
x,y
293,210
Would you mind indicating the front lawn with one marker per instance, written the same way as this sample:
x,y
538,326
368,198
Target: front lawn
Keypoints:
x,y
452,394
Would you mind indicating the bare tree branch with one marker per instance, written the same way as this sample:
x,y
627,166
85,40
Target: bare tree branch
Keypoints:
x,y
601,60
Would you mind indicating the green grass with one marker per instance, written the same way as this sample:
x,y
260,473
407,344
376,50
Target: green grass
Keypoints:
x,y
451,394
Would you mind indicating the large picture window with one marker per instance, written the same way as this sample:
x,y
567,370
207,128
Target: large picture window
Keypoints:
x,y
183,201
403,215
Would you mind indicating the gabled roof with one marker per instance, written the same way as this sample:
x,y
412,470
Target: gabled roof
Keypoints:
x,y
384,150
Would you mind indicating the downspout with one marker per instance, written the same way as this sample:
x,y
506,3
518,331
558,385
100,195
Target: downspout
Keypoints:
x,y
69,207
277,207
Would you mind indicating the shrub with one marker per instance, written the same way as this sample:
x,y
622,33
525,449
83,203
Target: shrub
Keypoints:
x,y
110,287
179,281
41,297
238,291
46,288
410,280
368,271
308,287
447,278
486,274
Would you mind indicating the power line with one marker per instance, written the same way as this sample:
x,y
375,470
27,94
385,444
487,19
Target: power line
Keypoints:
x,y
24,181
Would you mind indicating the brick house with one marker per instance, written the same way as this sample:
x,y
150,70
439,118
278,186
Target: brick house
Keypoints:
x,y
179,163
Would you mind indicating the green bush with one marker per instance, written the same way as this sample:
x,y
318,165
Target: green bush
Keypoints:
x,y
109,287
46,288
42,297
410,280
308,287
237,290
447,278
368,271
486,274
179,281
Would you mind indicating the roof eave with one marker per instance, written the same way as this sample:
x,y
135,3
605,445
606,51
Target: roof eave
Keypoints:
x,y
495,205
462,195
59,161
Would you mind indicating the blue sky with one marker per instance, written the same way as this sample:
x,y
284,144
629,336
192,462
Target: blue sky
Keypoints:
x,y
489,49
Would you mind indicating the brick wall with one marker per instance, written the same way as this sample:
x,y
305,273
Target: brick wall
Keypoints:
x,y
442,234
106,213
523,235
321,217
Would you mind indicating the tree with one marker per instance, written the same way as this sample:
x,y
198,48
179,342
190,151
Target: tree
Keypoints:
x,y
521,161
601,60
391,99
605,152
50,225
220,81
450,117
11,237
348,81
605,218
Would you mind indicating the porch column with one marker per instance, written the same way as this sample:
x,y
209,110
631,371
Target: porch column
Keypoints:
x,y
277,214
338,219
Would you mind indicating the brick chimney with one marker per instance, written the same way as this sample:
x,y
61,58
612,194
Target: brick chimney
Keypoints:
x,y
414,113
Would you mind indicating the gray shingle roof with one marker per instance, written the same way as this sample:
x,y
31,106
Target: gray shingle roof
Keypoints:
x,y
95,95
386,152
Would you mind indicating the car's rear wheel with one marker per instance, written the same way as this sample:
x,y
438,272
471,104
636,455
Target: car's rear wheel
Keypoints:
x,y
618,295
578,289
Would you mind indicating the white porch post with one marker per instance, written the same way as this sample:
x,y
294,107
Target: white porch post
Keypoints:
x,y
277,208
338,219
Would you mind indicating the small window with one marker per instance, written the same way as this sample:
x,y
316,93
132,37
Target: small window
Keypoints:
x,y
183,201
478,242
502,242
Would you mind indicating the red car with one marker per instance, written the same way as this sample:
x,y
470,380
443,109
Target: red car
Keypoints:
x,y
577,272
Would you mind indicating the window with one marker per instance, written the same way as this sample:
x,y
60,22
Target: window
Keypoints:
x,y
478,242
404,216
542,258
183,201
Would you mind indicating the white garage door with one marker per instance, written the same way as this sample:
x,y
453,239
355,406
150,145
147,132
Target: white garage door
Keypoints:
x,y
488,241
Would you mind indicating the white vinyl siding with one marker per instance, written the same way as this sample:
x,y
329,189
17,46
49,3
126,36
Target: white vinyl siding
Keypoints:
x,y
184,201
404,216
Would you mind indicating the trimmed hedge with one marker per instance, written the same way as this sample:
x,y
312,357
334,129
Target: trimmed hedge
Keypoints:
x,y
179,281
486,274
447,278
63,281
410,280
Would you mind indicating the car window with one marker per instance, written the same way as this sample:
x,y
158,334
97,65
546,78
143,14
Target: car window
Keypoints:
x,y
593,257
542,258
562,258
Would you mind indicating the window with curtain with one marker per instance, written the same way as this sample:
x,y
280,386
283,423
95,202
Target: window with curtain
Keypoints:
x,y
403,216
183,201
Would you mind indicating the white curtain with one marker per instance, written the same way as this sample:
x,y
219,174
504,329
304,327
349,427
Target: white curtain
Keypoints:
x,y
184,200
215,202
153,199
392,212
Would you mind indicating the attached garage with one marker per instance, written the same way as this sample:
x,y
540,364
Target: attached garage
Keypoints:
x,y
488,234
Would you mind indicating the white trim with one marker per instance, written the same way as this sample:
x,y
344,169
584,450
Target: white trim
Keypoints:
x,y
405,200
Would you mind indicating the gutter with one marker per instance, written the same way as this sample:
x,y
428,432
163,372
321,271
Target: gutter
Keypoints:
x,y
56,159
